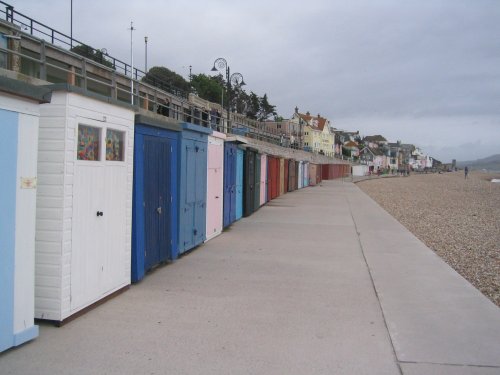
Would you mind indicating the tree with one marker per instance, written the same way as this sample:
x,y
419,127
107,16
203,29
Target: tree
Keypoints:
x,y
266,109
92,54
213,89
209,88
167,80
241,100
253,106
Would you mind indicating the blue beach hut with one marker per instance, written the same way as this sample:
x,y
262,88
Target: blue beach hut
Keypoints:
x,y
239,183
192,186
155,217
230,161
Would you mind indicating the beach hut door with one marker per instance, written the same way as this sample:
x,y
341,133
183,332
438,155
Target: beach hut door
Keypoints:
x,y
156,200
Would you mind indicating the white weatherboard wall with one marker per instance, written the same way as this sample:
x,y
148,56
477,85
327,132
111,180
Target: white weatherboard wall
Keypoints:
x,y
81,257
18,160
360,170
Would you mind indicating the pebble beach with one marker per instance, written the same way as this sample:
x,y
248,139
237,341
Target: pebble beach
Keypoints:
x,y
457,218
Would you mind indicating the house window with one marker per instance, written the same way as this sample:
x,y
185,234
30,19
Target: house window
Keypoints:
x,y
115,145
278,126
88,143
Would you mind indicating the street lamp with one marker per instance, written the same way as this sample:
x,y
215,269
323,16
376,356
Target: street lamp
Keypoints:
x,y
131,63
236,79
146,54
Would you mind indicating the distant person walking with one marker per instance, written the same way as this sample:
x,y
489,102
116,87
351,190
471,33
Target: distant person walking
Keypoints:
x,y
466,172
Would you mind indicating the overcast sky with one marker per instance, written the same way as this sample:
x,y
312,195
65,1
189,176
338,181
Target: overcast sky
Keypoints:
x,y
425,72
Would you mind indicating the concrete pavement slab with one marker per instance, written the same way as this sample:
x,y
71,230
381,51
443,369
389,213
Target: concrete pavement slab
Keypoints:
x,y
285,291
436,369
433,314
319,281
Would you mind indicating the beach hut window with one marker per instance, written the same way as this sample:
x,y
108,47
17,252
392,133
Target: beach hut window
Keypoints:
x,y
114,145
88,143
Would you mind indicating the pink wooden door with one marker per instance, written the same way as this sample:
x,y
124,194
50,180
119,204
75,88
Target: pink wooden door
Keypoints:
x,y
215,186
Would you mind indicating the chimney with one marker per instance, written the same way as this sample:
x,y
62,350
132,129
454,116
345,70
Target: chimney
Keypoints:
x,y
296,109
308,113
319,115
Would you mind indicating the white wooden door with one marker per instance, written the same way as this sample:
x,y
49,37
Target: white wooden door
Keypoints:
x,y
115,195
99,218
88,234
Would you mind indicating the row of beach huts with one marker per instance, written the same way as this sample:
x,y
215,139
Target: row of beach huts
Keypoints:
x,y
95,194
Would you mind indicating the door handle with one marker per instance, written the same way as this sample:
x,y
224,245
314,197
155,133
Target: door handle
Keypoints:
x,y
99,213
158,210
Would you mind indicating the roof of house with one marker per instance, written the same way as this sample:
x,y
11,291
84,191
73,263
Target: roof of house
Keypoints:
x,y
373,151
407,146
350,144
346,133
321,121
374,138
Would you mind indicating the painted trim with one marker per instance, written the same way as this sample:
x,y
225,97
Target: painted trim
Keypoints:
x,y
196,128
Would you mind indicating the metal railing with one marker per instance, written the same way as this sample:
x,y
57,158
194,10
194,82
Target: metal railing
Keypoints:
x,y
39,51
39,30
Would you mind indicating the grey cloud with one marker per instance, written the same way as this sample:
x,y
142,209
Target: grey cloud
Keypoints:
x,y
428,62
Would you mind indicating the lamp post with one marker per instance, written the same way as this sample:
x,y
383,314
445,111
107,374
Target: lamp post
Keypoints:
x,y
131,63
146,54
236,79
71,27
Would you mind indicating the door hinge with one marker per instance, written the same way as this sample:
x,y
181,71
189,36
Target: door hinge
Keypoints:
x,y
171,149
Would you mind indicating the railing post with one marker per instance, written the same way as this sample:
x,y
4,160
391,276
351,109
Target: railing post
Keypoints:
x,y
84,73
136,99
145,101
9,13
71,76
155,104
114,91
43,63
14,58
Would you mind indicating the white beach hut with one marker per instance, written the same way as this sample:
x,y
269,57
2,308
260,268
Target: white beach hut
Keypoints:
x,y
84,202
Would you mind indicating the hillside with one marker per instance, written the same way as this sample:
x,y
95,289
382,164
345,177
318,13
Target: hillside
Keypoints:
x,y
491,163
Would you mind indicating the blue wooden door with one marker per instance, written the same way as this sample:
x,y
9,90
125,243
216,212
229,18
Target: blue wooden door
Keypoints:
x,y
239,184
188,205
229,184
249,183
256,190
200,213
156,200
193,195
155,211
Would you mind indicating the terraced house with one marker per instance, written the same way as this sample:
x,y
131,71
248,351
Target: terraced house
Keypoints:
x,y
318,135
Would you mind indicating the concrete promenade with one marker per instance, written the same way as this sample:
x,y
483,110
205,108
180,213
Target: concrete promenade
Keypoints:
x,y
318,281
